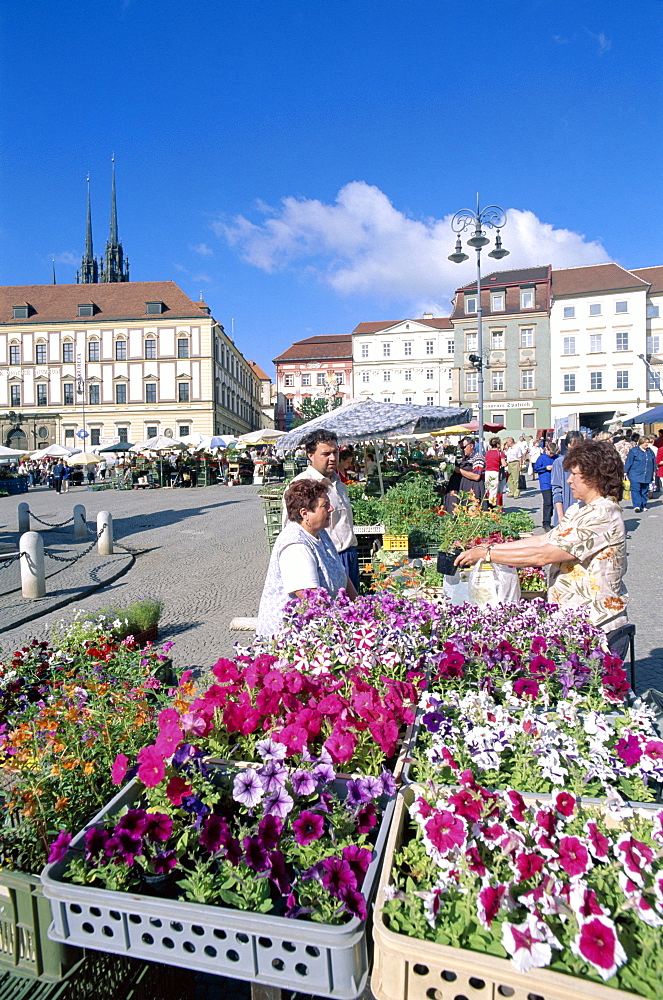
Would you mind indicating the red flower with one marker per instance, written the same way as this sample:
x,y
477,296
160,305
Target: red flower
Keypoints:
x,y
445,831
529,865
177,789
573,856
151,769
565,803
526,688
489,903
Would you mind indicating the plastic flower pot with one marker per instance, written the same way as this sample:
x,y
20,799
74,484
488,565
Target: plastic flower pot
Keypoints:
x,y
445,562
314,958
406,967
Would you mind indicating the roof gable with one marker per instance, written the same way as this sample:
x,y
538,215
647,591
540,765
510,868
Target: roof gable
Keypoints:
x,y
594,278
653,275
518,276
398,326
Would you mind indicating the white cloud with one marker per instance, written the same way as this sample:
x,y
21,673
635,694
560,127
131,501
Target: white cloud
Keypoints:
x,y
67,258
362,245
202,249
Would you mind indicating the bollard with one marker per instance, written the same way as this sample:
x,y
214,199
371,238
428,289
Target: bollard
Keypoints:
x,y
23,518
105,533
80,526
33,576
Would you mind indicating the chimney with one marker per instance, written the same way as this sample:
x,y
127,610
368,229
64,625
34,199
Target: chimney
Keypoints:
x,y
427,316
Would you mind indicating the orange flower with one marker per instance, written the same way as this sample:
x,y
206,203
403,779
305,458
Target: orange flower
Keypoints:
x,y
61,803
88,768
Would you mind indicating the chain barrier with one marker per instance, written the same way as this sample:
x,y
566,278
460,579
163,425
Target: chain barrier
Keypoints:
x,y
48,524
80,555
6,563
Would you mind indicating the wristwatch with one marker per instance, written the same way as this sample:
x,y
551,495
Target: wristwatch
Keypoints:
x,y
488,559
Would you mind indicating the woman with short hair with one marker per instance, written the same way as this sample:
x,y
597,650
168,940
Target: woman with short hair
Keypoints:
x,y
304,556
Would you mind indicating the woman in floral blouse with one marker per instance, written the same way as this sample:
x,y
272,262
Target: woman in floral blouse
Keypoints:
x,y
586,552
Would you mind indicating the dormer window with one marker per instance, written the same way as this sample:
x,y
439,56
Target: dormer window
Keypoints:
x,y
154,308
86,308
22,311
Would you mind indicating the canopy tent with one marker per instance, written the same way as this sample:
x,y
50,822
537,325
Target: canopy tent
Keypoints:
x,y
367,420
11,452
83,458
470,428
203,442
119,447
55,451
265,436
654,416
159,443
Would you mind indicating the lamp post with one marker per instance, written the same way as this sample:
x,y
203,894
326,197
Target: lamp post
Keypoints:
x,y
81,383
492,217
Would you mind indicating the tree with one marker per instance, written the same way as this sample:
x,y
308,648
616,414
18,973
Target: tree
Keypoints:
x,y
311,408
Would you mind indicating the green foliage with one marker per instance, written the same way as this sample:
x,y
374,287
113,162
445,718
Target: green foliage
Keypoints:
x,y
412,504
365,509
311,408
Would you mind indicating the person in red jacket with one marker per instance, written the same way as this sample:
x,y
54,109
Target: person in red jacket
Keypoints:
x,y
495,462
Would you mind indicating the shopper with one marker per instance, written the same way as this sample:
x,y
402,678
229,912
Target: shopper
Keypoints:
x,y
543,467
468,476
346,457
57,473
562,497
66,477
495,462
514,456
639,468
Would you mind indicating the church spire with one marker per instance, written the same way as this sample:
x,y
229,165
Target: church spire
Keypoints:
x,y
115,268
89,273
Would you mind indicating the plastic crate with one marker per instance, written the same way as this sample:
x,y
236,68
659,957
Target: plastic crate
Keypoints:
x,y
406,968
25,949
314,958
395,543
104,977
369,529
274,517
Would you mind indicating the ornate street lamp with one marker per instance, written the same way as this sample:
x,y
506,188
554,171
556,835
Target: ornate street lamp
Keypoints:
x,y
492,217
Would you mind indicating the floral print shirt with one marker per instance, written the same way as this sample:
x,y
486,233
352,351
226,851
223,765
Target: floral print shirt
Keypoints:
x,y
595,537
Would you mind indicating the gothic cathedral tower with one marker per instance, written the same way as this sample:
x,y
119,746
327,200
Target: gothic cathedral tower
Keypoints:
x,y
114,267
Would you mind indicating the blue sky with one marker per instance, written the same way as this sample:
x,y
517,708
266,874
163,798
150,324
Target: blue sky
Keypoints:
x,y
298,161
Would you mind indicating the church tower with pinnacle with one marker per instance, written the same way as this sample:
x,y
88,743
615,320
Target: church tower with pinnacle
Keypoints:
x,y
115,267
89,272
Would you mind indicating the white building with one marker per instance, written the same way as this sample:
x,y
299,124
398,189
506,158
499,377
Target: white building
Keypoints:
x,y
409,361
598,327
654,275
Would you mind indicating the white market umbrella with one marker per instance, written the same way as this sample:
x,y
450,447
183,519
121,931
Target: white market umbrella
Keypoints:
x,y
83,458
265,436
159,443
55,451
11,452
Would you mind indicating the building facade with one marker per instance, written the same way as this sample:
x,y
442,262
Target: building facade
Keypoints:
x,y
599,329
310,368
267,397
654,332
408,361
516,348
117,361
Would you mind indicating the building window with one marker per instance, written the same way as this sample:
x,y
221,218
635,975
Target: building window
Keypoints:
x,y
123,434
289,380
151,432
569,312
450,346
339,378
386,376
430,347
183,430
364,350
365,376
14,395
569,345
68,353
527,299
430,374
68,434
93,350
430,400
470,305
407,348
621,307
95,434
569,383
120,350
20,312
120,392
527,337
289,405
527,379
154,309
40,354
653,380
150,349
182,347
306,378
68,393
471,342
622,341
387,399
622,379
596,380
653,344
471,382
150,392
86,309
595,343
529,420
407,374
94,395
595,309
42,395
498,381
14,354
497,418
408,400
386,350
497,340
652,311
183,392
497,302
320,379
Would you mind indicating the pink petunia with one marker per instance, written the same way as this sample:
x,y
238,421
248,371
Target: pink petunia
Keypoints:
x,y
445,831
489,903
119,769
526,687
598,944
565,804
515,805
635,856
654,750
629,749
529,865
573,856
341,746
597,842
466,805
193,723
151,766
526,944
168,739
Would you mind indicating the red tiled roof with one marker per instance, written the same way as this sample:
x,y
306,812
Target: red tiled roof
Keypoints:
x,y
121,301
259,372
654,275
437,323
499,279
595,278
337,346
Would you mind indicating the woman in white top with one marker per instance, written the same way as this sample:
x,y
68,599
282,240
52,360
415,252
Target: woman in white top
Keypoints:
x,y
304,556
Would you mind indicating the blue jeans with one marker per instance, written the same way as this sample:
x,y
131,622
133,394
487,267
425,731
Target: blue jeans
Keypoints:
x,y
639,493
350,560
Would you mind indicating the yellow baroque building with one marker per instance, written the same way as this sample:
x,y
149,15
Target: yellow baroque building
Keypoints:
x,y
101,363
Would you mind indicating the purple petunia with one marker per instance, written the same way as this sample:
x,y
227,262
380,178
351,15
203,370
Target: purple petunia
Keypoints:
x,y
279,803
247,788
133,822
192,804
255,854
388,783
308,827
59,847
359,858
269,749
337,876
95,841
164,863
303,782
273,775
158,826
269,831
123,845
213,833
